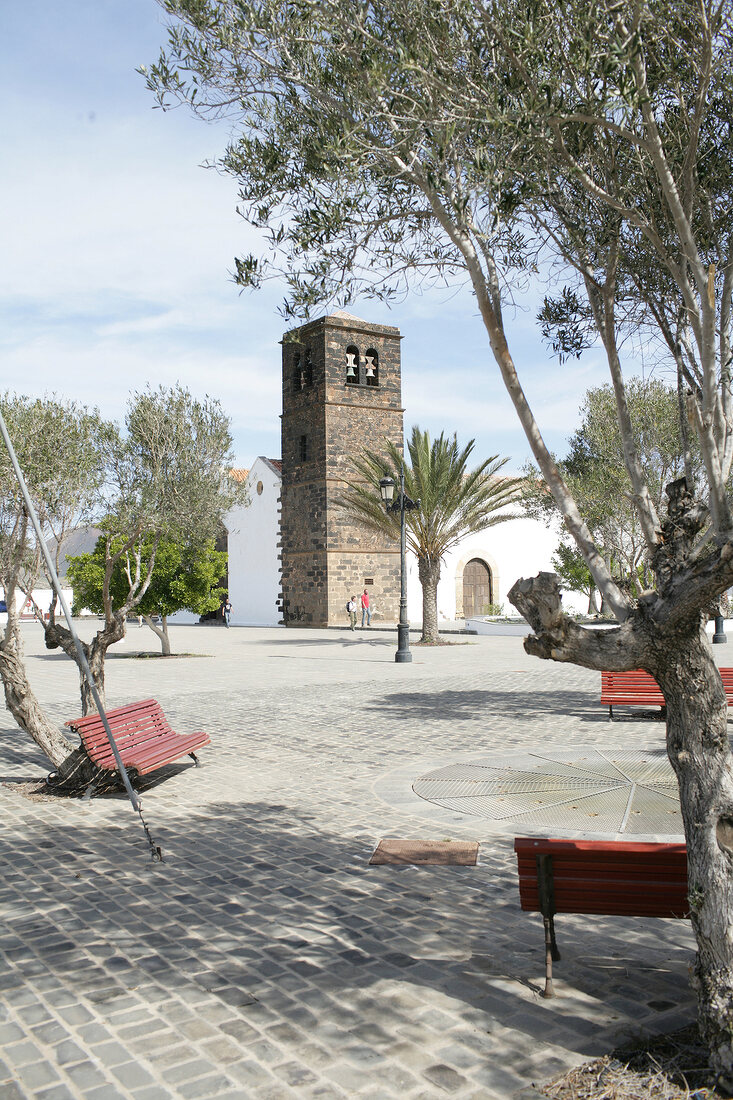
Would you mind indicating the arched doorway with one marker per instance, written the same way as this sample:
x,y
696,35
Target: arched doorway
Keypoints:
x,y
477,589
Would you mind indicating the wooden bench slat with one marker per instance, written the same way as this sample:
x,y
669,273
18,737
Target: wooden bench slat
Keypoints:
x,y
638,688
602,878
143,737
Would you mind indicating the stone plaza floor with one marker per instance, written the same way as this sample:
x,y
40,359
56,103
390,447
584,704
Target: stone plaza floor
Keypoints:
x,y
265,958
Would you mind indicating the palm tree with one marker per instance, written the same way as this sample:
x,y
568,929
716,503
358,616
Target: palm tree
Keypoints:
x,y
454,502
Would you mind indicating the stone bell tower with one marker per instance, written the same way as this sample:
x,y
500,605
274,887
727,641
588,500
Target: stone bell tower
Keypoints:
x,y
341,395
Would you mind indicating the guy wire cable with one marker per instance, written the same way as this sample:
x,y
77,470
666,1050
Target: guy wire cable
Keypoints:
x,y
136,802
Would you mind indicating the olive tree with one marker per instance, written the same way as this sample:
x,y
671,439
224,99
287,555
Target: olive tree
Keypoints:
x,y
377,144
167,480
62,449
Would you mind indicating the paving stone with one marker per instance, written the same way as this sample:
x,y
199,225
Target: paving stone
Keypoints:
x,y
105,1092
86,1076
56,1092
11,1090
10,1033
445,1077
131,1074
266,953
35,1075
187,1071
214,1085
249,1073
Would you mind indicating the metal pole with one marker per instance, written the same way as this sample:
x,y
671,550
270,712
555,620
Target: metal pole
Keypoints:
x,y
403,655
719,637
137,805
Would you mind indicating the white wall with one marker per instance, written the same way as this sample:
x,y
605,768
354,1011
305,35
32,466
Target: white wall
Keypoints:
x,y
254,566
42,596
518,548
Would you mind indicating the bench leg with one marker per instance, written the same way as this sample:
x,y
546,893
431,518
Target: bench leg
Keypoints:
x,y
610,714
89,792
195,759
551,955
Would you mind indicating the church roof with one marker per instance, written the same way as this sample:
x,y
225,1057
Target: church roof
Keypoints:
x,y
275,464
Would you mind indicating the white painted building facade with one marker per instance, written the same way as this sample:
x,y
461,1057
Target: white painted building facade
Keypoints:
x,y
253,538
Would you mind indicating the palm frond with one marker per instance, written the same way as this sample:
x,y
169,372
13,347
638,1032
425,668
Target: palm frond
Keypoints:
x,y
454,501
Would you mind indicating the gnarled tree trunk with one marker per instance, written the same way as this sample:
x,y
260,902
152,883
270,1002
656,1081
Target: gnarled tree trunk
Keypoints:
x,y
698,749
20,699
58,636
677,653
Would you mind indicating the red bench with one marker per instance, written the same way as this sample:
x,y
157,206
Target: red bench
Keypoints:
x,y
610,878
638,688
143,737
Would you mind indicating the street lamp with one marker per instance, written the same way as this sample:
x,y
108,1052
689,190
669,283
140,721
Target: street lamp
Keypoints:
x,y
719,636
402,504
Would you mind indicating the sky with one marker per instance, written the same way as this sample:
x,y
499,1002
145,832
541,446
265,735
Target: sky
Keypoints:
x,y
118,247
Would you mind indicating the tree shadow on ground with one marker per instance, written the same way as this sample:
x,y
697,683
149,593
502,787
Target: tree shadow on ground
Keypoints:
x,y
280,921
345,638
451,706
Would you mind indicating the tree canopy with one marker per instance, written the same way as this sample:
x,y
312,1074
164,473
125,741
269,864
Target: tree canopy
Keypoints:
x,y
595,472
167,481
185,578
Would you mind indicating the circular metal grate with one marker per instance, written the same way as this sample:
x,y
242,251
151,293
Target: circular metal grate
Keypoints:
x,y
585,789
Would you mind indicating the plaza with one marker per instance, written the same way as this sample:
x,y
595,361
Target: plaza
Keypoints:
x,y
265,958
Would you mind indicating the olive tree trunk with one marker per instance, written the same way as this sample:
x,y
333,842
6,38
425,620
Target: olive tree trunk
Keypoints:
x,y
161,632
58,637
429,573
698,749
20,699
675,650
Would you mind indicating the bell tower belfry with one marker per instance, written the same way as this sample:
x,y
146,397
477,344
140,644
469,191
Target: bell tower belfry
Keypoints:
x,y
341,394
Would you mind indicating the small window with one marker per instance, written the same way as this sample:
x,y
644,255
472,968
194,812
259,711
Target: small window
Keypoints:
x,y
307,377
297,373
368,580
260,488
371,368
304,448
352,366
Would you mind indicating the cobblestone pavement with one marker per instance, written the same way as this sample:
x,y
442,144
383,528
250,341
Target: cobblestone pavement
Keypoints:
x,y
264,958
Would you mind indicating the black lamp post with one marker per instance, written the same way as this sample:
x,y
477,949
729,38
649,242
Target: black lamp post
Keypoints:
x,y
402,504
719,637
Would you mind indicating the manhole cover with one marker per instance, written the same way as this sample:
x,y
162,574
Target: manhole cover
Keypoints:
x,y
584,790
436,853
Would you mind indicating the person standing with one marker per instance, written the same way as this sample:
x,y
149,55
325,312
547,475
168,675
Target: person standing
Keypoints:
x,y
351,608
366,611
226,611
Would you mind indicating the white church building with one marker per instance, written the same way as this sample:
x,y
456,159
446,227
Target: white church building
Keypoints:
x,y
500,555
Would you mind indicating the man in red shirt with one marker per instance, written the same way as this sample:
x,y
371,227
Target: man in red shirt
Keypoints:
x,y
366,611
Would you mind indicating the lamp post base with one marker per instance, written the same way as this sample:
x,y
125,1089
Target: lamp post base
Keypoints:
x,y
719,637
403,655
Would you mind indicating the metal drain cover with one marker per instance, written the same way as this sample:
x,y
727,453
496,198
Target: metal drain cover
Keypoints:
x,y
429,853
582,789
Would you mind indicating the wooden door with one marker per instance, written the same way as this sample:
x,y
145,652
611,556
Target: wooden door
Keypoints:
x,y
477,591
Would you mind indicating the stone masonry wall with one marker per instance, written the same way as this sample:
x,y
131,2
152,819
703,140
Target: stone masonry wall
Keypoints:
x,y
326,422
